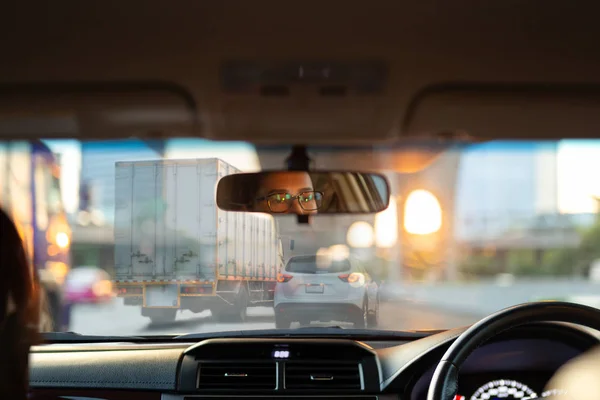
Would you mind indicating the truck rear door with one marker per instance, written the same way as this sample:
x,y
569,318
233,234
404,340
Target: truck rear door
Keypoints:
x,y
184,218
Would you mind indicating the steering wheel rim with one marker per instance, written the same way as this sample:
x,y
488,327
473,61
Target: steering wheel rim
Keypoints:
x,y
444,384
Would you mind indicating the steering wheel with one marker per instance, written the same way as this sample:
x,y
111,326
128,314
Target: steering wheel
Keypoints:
x,y
444,383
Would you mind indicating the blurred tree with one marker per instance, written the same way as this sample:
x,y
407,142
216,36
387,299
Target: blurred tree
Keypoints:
x,y
522,263
554,263
478,265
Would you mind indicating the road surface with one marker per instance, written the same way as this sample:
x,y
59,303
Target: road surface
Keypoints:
x,y
116,319
431,306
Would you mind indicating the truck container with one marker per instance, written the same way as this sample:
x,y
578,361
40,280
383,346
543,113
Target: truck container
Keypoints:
x,y
175,249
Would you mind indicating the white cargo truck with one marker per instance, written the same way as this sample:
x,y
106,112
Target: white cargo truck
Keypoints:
x,y
176,250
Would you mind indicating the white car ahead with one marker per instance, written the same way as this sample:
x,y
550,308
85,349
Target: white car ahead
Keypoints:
x,y
314,288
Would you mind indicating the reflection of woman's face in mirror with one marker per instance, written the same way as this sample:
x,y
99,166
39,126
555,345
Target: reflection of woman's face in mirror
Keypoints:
x,y
283,193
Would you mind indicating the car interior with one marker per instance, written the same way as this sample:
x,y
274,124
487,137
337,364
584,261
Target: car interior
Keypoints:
x,y
313,73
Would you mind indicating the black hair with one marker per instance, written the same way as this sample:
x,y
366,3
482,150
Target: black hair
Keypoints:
x,y
19,312
17,280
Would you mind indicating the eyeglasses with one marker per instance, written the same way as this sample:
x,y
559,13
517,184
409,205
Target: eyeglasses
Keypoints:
x,y
280,202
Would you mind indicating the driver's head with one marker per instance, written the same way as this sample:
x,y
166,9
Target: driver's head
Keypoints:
x,y
288,192
19,312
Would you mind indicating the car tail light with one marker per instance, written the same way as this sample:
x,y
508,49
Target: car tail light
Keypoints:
x,y
355,278
282,278
196,289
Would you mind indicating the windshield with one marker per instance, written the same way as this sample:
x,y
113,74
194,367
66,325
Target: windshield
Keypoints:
x,y
482,227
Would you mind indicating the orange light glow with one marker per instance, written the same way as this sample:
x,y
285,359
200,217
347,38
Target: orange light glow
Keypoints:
x,y
422,213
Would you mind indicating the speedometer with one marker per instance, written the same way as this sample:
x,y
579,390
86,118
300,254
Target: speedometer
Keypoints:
x,y
503,389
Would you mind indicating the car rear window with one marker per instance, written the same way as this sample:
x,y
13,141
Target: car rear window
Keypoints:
x,y
314,265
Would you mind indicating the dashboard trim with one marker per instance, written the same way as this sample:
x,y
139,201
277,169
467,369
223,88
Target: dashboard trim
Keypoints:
x,y
91,394
151,369
401,362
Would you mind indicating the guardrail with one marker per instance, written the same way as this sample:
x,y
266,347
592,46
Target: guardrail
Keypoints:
x,y
483,298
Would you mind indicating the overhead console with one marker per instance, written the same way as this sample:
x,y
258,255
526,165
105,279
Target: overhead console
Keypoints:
x,y
279,368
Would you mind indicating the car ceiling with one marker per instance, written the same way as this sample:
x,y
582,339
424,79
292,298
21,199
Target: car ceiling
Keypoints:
x,y
466,68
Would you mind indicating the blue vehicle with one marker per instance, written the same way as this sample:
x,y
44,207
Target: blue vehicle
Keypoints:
x,y
30,194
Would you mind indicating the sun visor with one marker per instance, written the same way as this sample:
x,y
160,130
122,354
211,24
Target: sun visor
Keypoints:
x,y
95,111
484,112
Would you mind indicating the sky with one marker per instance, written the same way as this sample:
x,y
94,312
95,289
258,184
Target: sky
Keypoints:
x,y
578,176
70,155
238,154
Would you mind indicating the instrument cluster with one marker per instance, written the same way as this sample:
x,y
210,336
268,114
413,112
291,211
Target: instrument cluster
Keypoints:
x,y
521,387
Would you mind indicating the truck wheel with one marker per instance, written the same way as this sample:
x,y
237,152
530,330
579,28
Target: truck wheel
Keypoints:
x,y
161,316
373,317
242,305
361,320
237,312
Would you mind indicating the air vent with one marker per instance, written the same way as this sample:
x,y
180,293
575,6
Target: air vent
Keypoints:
x,y
237,375
322,375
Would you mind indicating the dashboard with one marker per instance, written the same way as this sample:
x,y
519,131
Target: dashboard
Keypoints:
x,y
516,365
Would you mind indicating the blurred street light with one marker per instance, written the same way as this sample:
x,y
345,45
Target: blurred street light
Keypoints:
x,y
386,226
360,235
422,213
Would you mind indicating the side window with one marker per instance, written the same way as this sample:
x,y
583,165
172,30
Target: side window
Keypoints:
x,y
48,200
55,205
17,198
4,170
19,182
41,194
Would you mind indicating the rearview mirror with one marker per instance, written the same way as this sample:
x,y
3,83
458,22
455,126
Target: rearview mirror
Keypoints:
x,y
299,192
